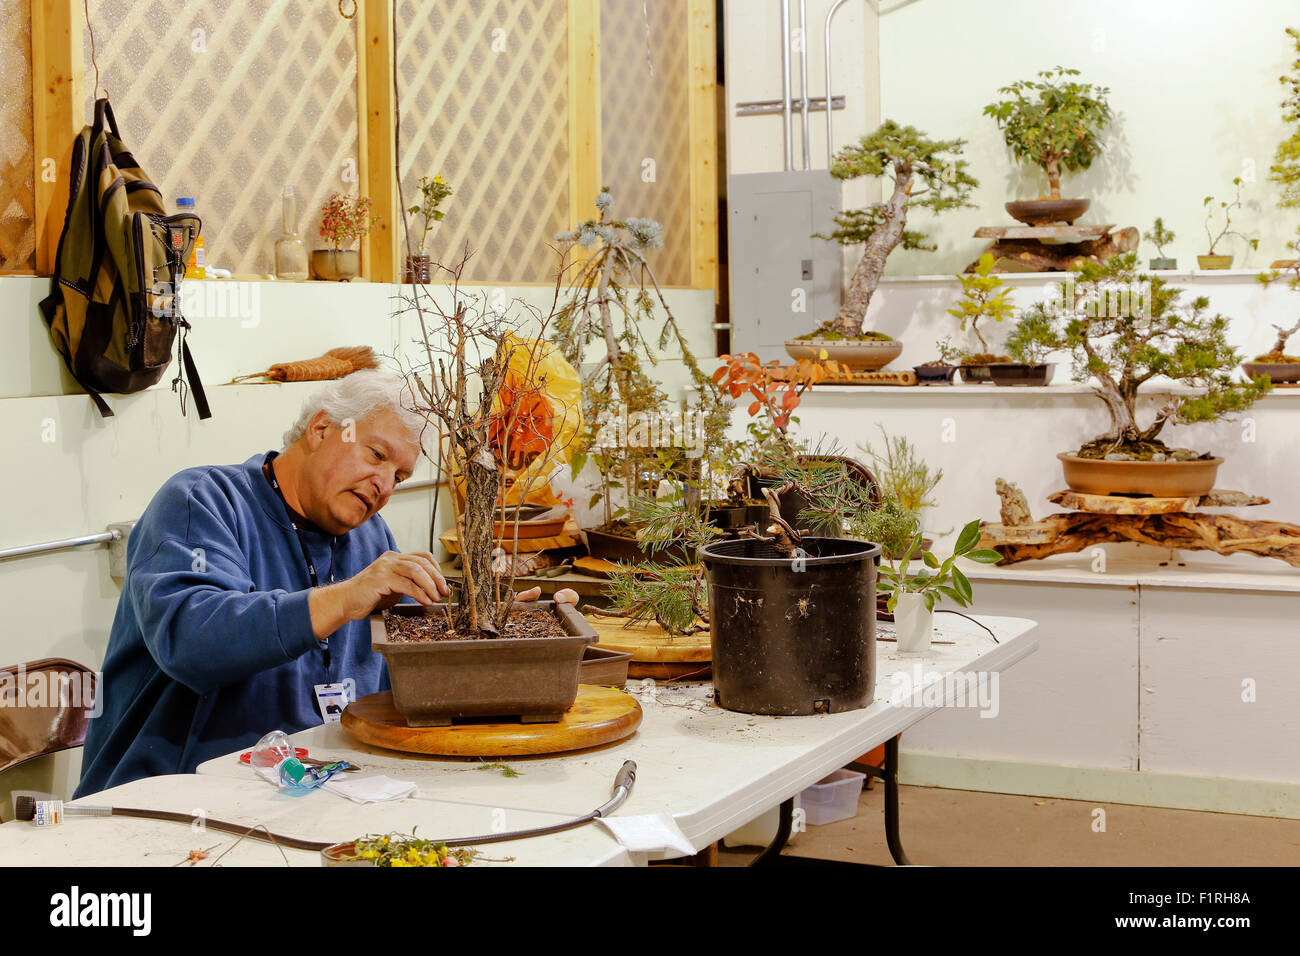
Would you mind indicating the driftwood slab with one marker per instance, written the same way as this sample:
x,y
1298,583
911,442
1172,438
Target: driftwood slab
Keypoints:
x,y
1121,505
1020,538
1188,531
1042,255
1059,233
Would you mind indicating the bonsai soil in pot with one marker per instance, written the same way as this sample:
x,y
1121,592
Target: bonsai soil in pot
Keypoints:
x,y
792,636
975,368
1278,368
1020,373
1184,476
531,672
865,353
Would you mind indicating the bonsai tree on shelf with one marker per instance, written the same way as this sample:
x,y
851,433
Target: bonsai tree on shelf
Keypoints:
x,y
925,174
1277,354
613,298
345,220
984,295
1054,122
1123,330
1285,170
1226,208
1160,237
1033,338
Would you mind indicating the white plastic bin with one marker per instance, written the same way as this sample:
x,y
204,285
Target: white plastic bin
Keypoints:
x,y
832,798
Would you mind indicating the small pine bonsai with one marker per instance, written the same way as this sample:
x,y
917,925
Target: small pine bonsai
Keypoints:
x,y
926,174
1159,236
1053,122
1033,338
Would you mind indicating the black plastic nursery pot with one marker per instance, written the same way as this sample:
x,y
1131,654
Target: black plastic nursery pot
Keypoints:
x,y
792,636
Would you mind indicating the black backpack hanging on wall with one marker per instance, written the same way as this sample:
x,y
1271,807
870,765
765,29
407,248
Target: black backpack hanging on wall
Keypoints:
x,y
114,308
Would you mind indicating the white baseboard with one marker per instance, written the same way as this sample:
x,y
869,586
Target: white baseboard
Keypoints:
x,y
1216,794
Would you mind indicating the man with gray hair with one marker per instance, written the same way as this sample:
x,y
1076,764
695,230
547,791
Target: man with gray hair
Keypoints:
x,y
248,588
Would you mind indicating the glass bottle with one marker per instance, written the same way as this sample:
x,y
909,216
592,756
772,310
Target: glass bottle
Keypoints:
x,y
290,253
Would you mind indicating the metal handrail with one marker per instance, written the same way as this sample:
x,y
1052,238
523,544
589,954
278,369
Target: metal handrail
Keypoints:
x,y
104,537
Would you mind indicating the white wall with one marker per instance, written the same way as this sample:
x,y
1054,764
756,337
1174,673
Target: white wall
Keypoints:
x,y
1194,86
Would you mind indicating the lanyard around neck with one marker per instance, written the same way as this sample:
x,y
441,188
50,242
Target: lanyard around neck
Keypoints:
x,y
269,472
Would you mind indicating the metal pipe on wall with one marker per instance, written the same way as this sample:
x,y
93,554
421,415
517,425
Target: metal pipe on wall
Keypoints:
x,y
830,138
787,107
803,81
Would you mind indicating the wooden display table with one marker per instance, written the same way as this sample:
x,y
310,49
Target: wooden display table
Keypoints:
x,y
600,715
1052,248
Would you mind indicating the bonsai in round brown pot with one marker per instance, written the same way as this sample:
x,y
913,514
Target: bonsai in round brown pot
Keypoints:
x,y
926,174
1124,329
1054,122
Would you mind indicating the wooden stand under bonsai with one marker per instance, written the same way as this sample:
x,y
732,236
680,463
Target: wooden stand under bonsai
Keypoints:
x,y
1162,522
1053,248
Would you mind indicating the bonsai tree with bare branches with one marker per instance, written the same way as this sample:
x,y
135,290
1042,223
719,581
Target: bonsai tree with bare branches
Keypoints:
x,y
614,298
1125,329
1291,273
926,174
480,389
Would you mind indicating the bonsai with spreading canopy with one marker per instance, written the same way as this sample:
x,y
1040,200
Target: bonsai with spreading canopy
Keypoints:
x,y
1125,329
1053,122
926,174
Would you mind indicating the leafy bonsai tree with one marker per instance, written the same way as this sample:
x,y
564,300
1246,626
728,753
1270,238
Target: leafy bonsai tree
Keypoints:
x,y
1227,207
613,298
1124,329
984,295
1285,170
926,174
1053,122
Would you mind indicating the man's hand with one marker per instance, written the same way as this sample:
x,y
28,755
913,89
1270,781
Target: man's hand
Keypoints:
x,y
388,579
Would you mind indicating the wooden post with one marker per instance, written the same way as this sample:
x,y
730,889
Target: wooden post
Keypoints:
x,y
584,110
703,82
384,249
57,116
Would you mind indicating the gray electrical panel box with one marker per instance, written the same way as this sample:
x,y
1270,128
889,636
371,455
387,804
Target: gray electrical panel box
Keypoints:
x,y
776,266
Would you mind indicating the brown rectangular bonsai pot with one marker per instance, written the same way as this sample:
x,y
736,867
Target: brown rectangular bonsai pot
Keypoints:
x,y
603,665
436,682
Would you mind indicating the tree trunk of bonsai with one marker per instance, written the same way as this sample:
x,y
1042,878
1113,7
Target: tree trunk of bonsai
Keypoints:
x,y
1122,408
1053,167
474,613
848,322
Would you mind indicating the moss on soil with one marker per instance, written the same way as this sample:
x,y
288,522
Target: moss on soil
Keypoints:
x,y
830,336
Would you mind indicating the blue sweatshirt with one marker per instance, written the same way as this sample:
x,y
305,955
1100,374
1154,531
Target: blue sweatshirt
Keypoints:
x,y
212,644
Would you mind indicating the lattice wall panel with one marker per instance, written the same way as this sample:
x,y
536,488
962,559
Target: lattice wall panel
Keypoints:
x,y
644,77
230,100
483,91
17,187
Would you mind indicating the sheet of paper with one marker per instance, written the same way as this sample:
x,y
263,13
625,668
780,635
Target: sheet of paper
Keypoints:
x,y
370,789
649,833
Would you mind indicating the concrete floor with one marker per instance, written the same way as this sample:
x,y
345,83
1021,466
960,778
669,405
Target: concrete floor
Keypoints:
x,y
962,828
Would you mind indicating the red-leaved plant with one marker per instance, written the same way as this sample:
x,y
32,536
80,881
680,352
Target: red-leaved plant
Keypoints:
x,y
345,219
776,389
